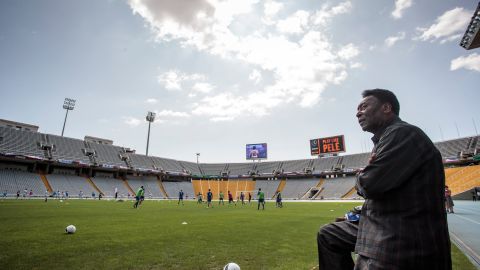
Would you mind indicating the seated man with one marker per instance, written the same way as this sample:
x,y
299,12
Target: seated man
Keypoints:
x,y
403,223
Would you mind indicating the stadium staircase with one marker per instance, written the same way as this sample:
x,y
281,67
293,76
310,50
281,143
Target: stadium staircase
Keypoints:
x,y
280,187
462,179
318,187
350,193
162,188
90,181
46,183
320,183
125,182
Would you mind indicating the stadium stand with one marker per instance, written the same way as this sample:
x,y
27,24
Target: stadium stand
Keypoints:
x,y
325,164
453,148
240,168
61,150
269,187
295,165
71,183
335,188
68,149
16,180
355,161
213,169
107,155
167,165
108,184
141,162
267,168
150,183
463,179
21,142
190,167
173,188
296,188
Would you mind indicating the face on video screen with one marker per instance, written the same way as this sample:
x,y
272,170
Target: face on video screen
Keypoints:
x,y
256,151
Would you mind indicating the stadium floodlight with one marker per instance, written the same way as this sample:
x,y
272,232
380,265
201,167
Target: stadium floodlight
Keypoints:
x,y
68,105
150,118
471,38
198,154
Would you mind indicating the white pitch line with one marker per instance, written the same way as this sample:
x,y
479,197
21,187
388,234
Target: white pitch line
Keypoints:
x,y
468,219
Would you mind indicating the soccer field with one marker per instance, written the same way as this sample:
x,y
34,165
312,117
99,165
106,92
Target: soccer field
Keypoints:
x,y
113,235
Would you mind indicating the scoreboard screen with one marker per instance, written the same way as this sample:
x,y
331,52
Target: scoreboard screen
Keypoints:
x,y
328,145
256,151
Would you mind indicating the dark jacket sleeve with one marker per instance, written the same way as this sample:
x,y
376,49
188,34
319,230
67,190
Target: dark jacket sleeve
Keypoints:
x,y
398,155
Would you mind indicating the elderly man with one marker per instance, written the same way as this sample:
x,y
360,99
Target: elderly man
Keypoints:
x,y
403,222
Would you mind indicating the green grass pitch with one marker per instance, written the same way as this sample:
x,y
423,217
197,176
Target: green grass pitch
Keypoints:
x,y
113,235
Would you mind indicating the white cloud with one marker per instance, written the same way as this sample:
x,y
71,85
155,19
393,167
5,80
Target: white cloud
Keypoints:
x,y
356,65
132,121
390,41
447,27
323,16
203,87
295,24
151,101
301,68
170,113
471,62
270,10
348,52
255,76
400,6
173,79
170,80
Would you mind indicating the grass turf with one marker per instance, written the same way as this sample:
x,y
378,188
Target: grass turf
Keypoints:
x,y
113,235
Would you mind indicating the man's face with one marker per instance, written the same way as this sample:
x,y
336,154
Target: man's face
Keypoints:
x,y
370,114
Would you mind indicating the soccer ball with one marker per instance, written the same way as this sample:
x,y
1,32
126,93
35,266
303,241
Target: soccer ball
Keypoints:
x,y
71,229
231,266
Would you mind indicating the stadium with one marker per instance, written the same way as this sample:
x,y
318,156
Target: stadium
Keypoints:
x,y
50,181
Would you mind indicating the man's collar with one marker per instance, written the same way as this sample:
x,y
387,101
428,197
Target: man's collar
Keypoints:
x,y
377,135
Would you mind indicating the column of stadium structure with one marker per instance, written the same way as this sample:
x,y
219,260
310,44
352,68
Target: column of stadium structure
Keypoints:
x,y
214,188
280,187
90,181
350,193
162,188
228,184
251,186
236,188
125,182
46,183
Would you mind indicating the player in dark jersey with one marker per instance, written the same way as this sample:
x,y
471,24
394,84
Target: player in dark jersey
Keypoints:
x,y
279,203
230,198
180,197
209,198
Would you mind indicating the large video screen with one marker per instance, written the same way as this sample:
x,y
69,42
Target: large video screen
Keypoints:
x,y
329,145
256,151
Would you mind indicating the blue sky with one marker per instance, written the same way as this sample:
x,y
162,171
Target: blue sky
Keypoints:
x,y
222,74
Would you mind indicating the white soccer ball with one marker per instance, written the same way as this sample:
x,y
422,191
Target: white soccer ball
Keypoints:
x,y
70,229
231,266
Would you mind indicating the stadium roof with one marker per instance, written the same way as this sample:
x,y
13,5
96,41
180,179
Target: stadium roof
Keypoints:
x,y
471,38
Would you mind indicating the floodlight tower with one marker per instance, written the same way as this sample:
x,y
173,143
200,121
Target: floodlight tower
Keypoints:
x,y
150,118
198,154
68,105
